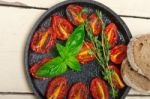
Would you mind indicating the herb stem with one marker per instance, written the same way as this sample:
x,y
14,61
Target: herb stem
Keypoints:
x,y
94,54
102,54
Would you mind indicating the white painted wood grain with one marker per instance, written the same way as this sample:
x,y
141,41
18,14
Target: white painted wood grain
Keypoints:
x,y
138,26
137,97
17,97
15,25
124,7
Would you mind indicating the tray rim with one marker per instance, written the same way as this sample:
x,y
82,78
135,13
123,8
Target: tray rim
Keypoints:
x,y
42,17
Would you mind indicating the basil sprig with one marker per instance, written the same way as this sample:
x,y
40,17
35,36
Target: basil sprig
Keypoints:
x,y
58,65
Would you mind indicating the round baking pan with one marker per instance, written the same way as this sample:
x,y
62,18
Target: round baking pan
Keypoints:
x,y
89,70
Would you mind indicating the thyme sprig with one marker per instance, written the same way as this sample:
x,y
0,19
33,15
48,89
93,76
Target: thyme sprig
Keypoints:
x,y
84,10
102,53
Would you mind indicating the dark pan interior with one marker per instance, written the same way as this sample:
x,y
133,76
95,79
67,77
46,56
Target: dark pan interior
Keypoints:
x,y
90,69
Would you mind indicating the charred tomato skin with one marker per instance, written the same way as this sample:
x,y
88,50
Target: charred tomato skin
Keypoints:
x,y
75,14
84,56
112,34
36,66
95,24
62,27
78,91
43,41
99,89
57,88
118,53
117,81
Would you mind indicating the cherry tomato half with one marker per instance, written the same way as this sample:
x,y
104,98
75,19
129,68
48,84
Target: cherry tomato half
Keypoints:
x,y
43,41
112,34
84,56
118,54
78,91
99,89
57,88
36,66
95,24
76,14
117,81
61,27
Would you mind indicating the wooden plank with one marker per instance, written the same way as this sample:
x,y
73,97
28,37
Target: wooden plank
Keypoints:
x,y
138,26
137,97
17,97
15,26
134,92
33,97
123,7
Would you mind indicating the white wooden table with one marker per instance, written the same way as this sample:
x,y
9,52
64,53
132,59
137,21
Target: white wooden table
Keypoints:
x,y
16,20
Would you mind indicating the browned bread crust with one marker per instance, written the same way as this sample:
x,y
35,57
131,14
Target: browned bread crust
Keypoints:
x,y
134,79
138,54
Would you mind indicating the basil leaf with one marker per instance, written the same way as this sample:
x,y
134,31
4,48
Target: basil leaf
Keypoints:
x,y
62,50
73,63
75,41
52,68
67,56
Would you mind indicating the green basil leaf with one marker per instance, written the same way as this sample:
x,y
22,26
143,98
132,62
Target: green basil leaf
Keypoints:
x,y
53,68
75,41
73,63
63,51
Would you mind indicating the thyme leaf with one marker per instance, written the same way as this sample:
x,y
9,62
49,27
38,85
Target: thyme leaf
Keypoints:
x,y
102,53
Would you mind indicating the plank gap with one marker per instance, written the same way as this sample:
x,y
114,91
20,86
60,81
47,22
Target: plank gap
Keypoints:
x,y
16,93
138,95
24,6
130,16
42,8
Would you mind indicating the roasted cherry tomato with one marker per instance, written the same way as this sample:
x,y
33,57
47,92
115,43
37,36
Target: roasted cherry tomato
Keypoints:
x,y
61,27
43,41
118,54
57,88
36,66
117,81
99,89
112,34
78,91
95,24
84,56
76,14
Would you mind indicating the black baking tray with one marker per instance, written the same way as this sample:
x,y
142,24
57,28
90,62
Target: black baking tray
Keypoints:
x,y
89,70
